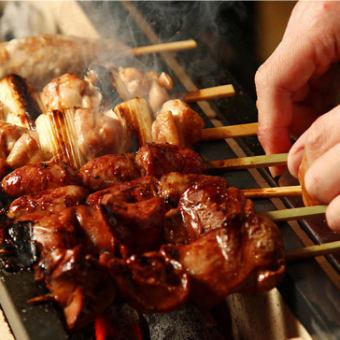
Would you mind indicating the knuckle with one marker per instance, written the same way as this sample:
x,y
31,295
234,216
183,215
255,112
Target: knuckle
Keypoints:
x,y
316,135
313,184
261,76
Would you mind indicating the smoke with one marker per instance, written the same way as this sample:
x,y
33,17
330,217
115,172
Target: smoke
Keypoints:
x,y
221,29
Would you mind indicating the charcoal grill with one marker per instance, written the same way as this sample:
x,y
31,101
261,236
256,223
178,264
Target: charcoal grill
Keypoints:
x,y
309,289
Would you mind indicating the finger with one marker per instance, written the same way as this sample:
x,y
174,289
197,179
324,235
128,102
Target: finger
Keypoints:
x,y
333,214
322,135
322,179
295,155
286,72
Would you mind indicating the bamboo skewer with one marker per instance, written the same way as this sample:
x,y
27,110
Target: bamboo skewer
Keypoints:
x,y
312,251
241,130
165,47
248,162
295,213
273,192
210,93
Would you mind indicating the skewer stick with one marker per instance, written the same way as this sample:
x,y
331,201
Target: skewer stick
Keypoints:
x,y
312,251
165,47
248,162
210,93
230,131
273,192
296,213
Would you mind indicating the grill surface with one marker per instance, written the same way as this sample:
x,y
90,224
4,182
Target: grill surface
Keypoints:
x,y
307,290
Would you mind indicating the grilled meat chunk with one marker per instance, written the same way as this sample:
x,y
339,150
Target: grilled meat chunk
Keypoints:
x,y
134,191
35,178
176,123
159,159
132,82
151,282
93,222
211,204
137,225
101,78
9,134
245,256
26,150
100,134
18,106
49,201
69,266
81,286
69,91
39,58
107,170
174,184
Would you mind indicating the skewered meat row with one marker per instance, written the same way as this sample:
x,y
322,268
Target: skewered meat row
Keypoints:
x,y
75,127
150,160
115,241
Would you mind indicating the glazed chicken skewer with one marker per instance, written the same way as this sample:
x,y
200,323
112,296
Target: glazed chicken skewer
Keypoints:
x,y
138,194
140,205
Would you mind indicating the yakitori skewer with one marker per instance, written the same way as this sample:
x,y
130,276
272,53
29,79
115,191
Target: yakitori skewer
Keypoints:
x,y
165,47
294,190
296,213
230,131
248,162
210,93
313,251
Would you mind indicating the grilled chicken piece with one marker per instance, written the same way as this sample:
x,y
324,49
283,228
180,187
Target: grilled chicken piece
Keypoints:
x,y
241,257
176,123
132,82
26,150
107,170
35,178
82,287
211,204
137,225
69,91
100,134
70,271
49,201
159,159
93,222
45,57
174,184
9,134
18,106
101,78
151,282
133,191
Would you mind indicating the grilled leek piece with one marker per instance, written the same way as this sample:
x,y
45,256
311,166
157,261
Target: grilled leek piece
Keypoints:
x,y
77,135
18,105
57,137
139,117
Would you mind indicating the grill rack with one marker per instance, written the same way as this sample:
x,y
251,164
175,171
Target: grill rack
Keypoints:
x,y
313,311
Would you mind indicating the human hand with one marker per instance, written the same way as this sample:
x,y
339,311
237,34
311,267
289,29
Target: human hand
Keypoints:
x,y
295,85
319,149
